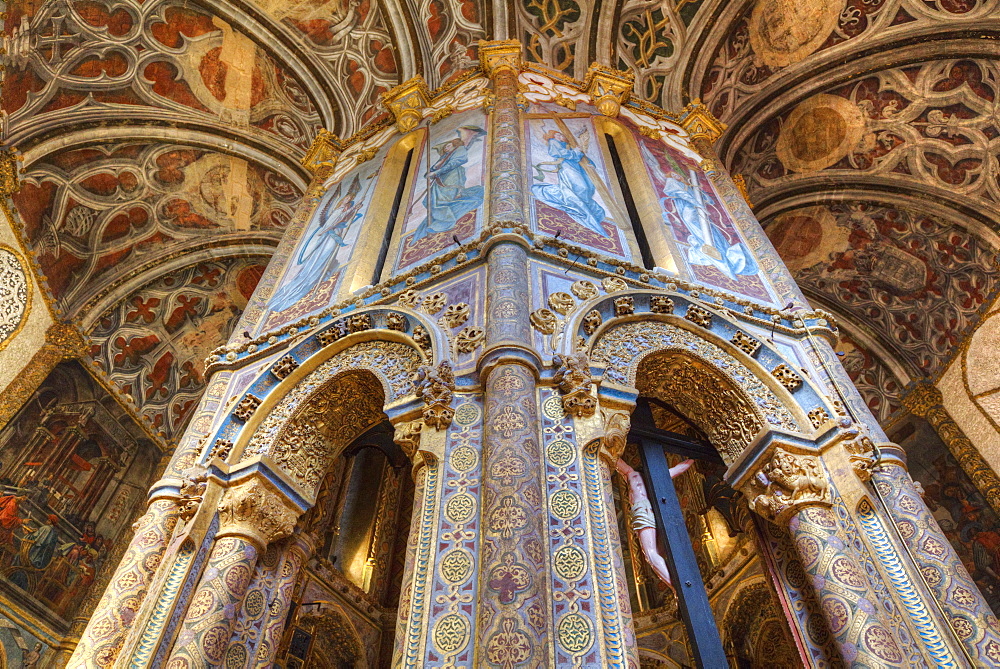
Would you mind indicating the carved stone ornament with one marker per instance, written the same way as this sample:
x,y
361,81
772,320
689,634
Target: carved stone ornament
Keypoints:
x,y
336,331
409,298
221,449
191,493
434,303
421,338
745,343
406,103
660,304
861,452
246,407
624,306
574,381
699,316
787,377
395,321
323,153
359,323
500,54
257,512
613,284
609,88
469,338
436,387
584,289
788,483
592,321
456,315
616,428
544,321
407,436
284,367
563,303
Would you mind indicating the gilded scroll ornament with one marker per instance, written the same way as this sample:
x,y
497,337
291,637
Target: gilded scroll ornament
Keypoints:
x,y
544,320
10,181
434,303
409,298
257,512
455,315
661,304
584,289
436,387
469,338
395,321
787,484
562,303
614,284
574,381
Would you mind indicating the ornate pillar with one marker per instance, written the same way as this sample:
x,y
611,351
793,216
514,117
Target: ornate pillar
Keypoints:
x,y
942,570
115,614
252,515
926,402
795,490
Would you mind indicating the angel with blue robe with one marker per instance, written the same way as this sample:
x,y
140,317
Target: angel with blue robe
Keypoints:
x,y
573,193
707,244
317,257
448,199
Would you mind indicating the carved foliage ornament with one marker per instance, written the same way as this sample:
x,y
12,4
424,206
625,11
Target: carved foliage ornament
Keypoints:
x,y
258,512
436,387
786,484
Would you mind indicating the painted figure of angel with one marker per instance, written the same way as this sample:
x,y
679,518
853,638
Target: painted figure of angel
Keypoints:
x,y
643,521
707,244
317,257
448,199
574,190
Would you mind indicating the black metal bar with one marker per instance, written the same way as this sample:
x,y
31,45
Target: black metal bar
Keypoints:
x,y
692,599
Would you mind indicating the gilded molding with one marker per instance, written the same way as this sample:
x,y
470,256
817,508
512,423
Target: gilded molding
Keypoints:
x,y
700,124
609,88
10,180
406,102
499,54
321,157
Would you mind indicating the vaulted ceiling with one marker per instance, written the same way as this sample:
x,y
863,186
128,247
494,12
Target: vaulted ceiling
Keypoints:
x,y
162,140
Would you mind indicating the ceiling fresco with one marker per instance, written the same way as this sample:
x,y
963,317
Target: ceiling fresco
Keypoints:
x,y
163,136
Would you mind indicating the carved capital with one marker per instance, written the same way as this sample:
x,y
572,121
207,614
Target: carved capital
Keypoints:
x,y
922,399
700,124
498,55
258,512
609,88
191,493
574,381
323,153
407,436
10,168
786,484
436,387
407,102
861,452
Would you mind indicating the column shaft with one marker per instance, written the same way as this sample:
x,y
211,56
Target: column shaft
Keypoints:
x,y
956,593
102,640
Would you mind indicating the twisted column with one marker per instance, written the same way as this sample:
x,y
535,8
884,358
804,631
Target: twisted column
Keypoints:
x,y
104,636
925,401
798,493
968,614
252,515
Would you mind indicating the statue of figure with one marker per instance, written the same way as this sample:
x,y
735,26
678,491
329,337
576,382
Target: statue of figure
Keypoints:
x,y
643,521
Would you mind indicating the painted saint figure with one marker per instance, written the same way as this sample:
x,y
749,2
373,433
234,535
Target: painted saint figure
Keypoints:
x,y
317,258
574,191
707,244
643,521
447,198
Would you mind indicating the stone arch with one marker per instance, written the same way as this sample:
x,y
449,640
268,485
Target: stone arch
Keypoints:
x,y
754,628
336,643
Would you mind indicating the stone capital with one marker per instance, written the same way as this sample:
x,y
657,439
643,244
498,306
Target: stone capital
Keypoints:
x,y
498,55
700,124
608,87
406,102
785,484
258,512
323,153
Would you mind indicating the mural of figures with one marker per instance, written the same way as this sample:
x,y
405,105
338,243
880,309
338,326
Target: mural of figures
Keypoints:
x,y
313,270
710,244
962,512
447,190
19,645
570,182
74,468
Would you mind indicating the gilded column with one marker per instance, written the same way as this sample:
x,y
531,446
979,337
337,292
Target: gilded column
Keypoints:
x,y
798,493
942,570
926,402
253,514
115,614
514,621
